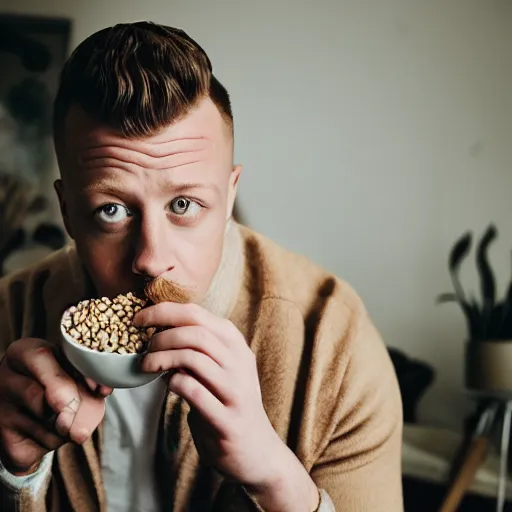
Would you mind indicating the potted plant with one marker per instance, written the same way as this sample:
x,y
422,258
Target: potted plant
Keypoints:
x,y
488,349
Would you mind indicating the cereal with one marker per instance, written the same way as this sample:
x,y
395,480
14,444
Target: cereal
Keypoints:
x,y
106,325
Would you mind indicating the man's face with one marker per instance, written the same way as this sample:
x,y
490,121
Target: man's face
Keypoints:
x,y
152,207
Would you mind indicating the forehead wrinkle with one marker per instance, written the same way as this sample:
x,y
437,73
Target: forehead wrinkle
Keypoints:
x,y
137,163
167,156
154,148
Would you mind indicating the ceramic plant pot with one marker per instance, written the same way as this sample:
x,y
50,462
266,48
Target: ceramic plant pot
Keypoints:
x,y
489,366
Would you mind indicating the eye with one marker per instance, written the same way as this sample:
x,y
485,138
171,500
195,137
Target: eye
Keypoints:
x,y
184,206
113,213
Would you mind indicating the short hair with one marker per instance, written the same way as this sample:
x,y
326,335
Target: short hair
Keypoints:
x,y
137,78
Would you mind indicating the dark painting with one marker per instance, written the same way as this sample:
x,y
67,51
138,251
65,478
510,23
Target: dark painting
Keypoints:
x,y
32,52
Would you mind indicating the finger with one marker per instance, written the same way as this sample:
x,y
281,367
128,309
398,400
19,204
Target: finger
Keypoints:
x,y
19,453
98,389
93,386
104,391
35,358
191,337
198,397
205,369
172,314
87,418
40,433
26,393
79,413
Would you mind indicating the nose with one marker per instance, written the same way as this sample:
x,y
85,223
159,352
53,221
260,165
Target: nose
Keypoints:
x,y
153,255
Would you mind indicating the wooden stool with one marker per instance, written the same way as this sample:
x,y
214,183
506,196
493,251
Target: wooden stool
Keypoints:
x,y
497,412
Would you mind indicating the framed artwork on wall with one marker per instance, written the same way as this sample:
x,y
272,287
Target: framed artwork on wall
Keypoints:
x,y
32,52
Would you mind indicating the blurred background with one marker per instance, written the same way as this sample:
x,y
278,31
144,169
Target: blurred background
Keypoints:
x,y
373,134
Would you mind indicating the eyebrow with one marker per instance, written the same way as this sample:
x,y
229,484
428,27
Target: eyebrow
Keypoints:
x,y
185,187
114,187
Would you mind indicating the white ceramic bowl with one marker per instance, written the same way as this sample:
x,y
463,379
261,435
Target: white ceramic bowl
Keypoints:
x,y
109,369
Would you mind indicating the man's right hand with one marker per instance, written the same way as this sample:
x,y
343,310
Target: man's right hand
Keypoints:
x,y
41,406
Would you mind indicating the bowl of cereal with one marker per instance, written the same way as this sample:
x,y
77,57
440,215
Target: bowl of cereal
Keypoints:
x,y
101,342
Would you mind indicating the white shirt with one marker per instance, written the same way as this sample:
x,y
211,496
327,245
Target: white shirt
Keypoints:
x,y
128,453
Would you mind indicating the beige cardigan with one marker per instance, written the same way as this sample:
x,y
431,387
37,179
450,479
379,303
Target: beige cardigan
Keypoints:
x,y
327,383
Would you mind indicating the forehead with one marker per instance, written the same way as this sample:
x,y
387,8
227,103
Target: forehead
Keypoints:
x,y
202,126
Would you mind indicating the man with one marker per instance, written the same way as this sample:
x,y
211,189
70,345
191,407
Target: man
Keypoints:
x,y
284,399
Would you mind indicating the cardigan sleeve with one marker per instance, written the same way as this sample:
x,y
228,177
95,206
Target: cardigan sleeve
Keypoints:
x,y
359,466
27,493
348,426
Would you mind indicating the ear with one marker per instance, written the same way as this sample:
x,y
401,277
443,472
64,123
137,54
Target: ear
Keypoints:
x,y
59,188
233,185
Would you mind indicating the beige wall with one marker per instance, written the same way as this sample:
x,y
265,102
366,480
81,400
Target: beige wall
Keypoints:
x,y
372,132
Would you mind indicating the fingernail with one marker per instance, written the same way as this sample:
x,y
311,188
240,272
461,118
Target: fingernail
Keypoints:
x,y
104,391
144,364
64,422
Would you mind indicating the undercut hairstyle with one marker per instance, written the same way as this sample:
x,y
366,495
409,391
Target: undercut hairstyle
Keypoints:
x,y
137,78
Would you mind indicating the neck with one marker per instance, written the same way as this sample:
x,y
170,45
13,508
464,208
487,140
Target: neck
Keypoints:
x,y
223,292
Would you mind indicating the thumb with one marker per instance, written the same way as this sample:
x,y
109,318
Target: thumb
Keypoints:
x,y
88,417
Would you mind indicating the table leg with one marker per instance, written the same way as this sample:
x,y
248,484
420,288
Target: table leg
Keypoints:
x,y
473,457
504,446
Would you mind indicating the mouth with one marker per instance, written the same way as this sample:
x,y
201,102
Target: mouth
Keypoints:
x,y
155,290
163,290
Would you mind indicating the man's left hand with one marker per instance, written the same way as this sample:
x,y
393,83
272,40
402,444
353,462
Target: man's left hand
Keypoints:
x,y
213,369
